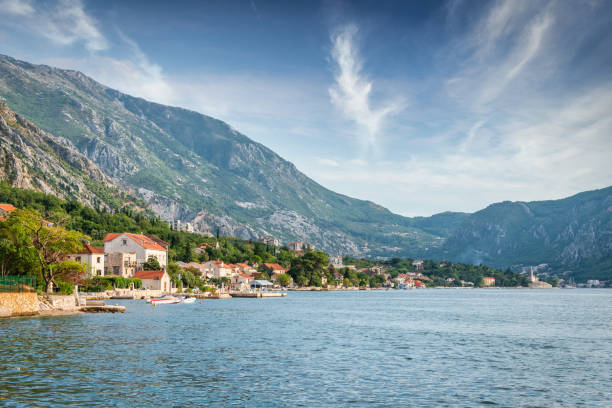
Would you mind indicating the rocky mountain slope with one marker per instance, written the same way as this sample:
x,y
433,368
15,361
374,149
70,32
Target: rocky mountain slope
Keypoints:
x,y
193,167
196,168
33,159
574,233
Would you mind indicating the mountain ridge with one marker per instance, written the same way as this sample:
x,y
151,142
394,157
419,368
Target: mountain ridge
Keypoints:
x,y
192,167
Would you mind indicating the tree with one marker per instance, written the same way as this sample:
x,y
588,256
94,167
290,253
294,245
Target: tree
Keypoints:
x,y
152,264
48,243
284,280
263,276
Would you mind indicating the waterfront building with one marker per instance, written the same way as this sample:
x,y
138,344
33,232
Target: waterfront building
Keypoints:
x,y
91,256
488,281
216,269
143,246
154,280
122,264
418,265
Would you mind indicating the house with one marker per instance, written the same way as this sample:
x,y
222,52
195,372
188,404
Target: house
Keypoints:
x,y
488,281
273,268
241,279
377,270
203,247
336,261
248,269
216,269
300,246
418,284
155,280
269,241
91,256
120,264
418,265
143,246
6,209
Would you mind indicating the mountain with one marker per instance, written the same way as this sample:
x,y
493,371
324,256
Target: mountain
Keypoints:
x,y
196,168
574,233
97,143
33,159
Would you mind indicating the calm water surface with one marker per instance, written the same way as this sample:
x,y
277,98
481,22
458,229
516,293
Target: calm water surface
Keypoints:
x,y
398,348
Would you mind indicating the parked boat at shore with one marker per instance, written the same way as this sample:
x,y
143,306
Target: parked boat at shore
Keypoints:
x,y
166,300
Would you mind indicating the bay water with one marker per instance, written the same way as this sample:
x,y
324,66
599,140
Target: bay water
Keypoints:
x,y
432,347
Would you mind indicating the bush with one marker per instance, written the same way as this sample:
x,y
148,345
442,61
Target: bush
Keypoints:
x,y
103,283
65,288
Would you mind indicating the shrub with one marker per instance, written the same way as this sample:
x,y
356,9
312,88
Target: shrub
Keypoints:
x,y
65,288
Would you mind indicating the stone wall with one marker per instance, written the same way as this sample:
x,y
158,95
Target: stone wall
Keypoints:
x,y
18,304
63,302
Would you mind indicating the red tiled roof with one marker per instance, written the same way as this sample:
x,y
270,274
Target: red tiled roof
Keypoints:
x,y
88,249
141,240
2,219
244,275
151,275
7,207
274,267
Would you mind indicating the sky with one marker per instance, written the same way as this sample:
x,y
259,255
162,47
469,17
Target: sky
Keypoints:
x,y
421,107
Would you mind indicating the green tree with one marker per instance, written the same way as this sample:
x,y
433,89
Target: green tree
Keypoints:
x,y
48,243
151,264
284,280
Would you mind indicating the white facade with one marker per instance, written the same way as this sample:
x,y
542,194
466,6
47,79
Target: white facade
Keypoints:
x,y
141,245
217,269
93,257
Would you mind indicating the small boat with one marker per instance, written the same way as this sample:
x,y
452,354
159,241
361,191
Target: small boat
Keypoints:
x,y
189,300
166,300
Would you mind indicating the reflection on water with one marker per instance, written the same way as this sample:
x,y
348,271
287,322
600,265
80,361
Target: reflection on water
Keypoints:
x,y
396,348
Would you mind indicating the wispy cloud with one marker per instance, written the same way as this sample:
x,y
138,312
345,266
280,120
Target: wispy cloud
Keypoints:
x,y
16,7
64,22
352,90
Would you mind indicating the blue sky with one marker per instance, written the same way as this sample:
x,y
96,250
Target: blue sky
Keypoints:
x,y
422,107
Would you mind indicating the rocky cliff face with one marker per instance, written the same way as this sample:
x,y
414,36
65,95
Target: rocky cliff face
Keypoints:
x,y
197,168
573,233
33,159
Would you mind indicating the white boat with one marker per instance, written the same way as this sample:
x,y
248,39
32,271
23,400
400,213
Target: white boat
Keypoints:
x,y
166,300
189,300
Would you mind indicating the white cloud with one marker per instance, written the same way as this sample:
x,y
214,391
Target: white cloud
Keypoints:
x,y
351,92
63,23
16,7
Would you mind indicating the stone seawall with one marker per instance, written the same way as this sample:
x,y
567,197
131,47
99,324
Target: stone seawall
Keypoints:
x,y
18,304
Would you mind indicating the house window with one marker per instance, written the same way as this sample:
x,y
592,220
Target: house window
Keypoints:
x,y
116,270
98,259
78,259
99,272
124,242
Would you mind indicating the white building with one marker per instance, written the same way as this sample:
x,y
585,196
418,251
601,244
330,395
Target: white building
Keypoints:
x,y
154,280
120,264
269,241
143,246
217,269
93,257
336,261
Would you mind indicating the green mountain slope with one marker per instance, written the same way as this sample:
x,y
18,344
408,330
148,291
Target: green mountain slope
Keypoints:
x,y
574,233
33,159
192,167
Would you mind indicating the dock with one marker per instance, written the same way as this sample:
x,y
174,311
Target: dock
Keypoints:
x,y
102,309
258,294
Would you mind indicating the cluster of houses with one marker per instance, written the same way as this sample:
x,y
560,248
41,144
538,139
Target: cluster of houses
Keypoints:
x,y
239,276
124,255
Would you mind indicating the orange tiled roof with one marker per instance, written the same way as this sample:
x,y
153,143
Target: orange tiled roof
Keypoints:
x,y
155,275
274,267
141,240
7,207
88,249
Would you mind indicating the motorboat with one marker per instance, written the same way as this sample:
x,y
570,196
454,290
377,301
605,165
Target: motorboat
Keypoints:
x,y
165,300
189,300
